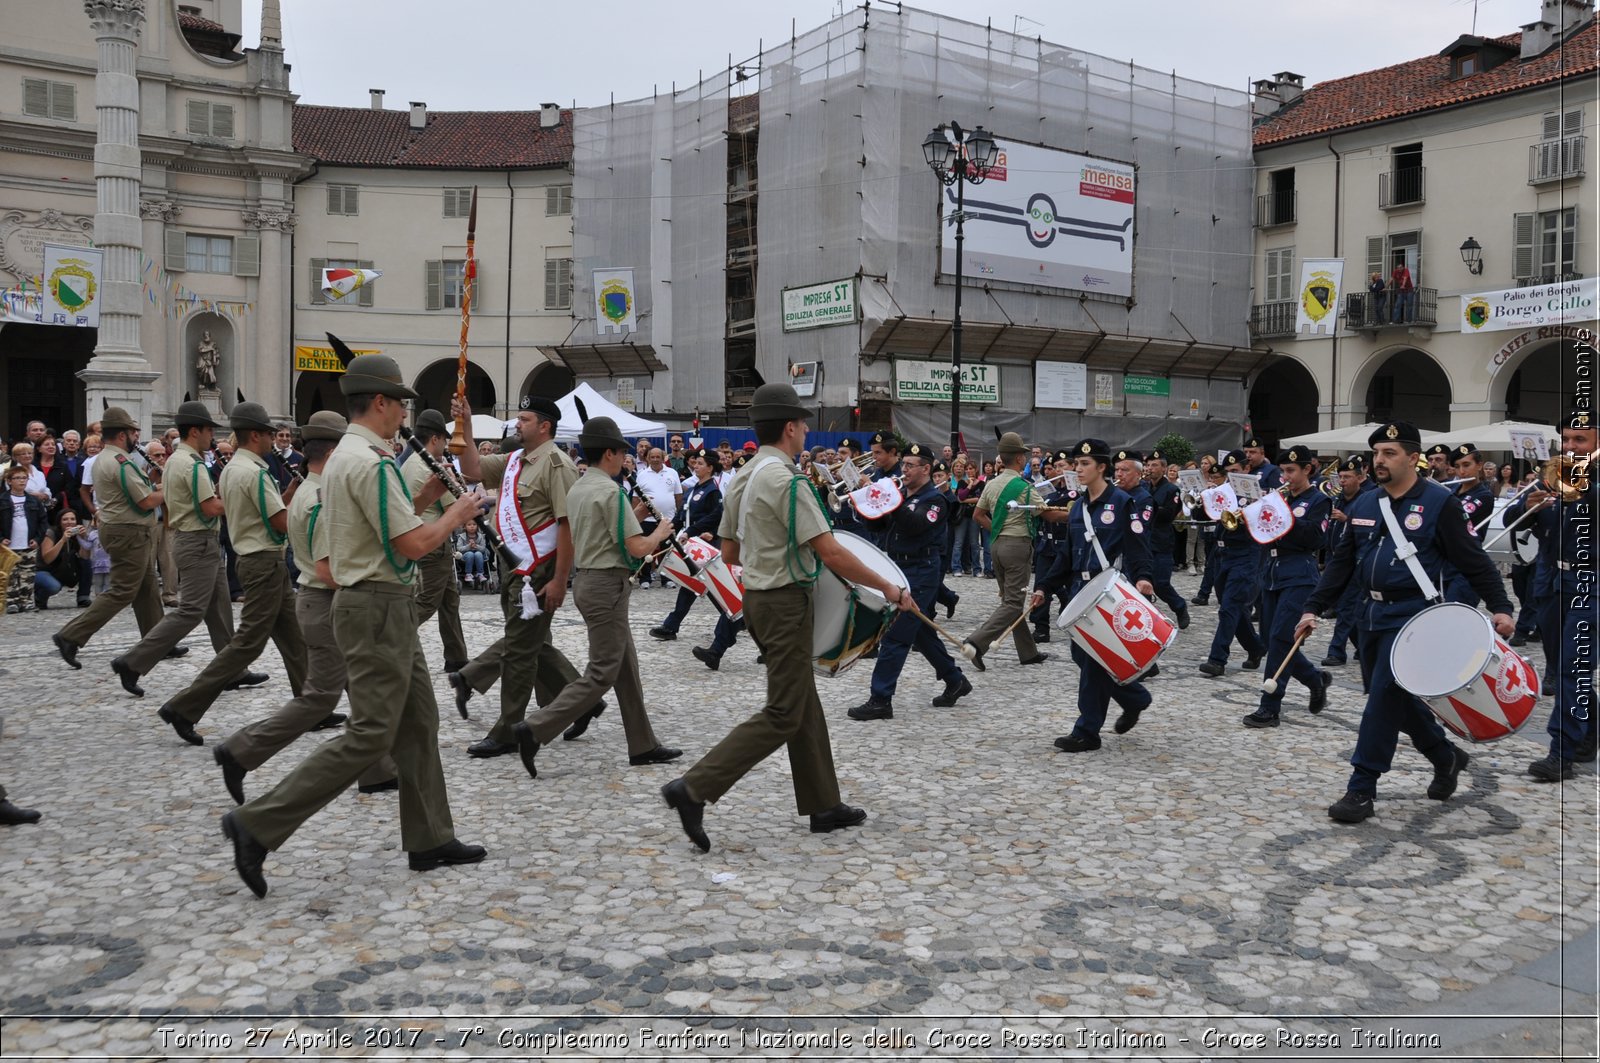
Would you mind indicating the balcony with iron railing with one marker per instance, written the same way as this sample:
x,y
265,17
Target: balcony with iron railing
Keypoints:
x,y
1268,320
1367,313
1556,160
1275,209
1547,278
1401,188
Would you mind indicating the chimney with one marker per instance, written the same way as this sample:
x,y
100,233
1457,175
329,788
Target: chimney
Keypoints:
x,y
1291,86
1558,19
419,115
549,115
1267,100
377,99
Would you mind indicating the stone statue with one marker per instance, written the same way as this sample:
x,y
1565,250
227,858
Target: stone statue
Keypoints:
x,y
206,365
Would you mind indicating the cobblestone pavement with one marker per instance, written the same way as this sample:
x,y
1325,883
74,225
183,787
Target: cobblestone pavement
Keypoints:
x,y
1026,902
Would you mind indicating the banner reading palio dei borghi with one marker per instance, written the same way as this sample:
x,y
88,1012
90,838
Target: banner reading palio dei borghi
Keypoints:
x,y
819,305
930,382
1521,308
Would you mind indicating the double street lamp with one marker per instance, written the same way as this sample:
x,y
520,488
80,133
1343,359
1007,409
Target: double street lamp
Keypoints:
x,y
958,158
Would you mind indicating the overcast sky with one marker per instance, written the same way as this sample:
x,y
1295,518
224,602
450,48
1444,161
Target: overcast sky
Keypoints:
x,y
516,54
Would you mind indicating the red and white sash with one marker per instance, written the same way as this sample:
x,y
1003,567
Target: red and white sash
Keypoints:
x,y
529,547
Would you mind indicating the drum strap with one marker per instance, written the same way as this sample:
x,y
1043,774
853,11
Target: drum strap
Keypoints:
x,y
1088,533
1406,550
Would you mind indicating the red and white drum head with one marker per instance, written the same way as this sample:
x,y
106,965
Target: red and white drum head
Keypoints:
x,y
1449,658
1113,623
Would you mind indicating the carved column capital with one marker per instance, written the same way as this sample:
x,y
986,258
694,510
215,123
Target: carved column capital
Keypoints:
x,y
163,210
116,18
282,220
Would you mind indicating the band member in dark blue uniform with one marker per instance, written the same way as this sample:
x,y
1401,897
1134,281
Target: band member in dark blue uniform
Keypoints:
x,y
1256,464
1435,529
1439,462
1051,541
914,538
1353,481
1543,584
1477,498
1287,578
1238,560
1577,594
699,513
1165,504
1106,513
846,519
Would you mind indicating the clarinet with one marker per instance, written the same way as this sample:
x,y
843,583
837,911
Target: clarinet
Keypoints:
x,y
449,481
655,514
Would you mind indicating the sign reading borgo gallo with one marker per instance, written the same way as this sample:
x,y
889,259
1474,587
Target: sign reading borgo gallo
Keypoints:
x,y
817,305
1047,218
1521,308
930,382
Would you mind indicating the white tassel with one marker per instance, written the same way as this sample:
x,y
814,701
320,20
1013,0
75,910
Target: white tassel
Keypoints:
x,y
530,601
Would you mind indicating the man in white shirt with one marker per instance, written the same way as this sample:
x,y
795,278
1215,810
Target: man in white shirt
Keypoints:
x,y
662,487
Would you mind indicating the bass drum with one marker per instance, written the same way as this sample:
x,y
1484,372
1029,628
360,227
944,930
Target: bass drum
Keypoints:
x,y
849,620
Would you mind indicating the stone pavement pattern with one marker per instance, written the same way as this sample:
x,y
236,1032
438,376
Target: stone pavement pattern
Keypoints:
x,y
1184,877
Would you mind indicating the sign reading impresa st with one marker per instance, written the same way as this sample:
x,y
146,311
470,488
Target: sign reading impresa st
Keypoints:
x,y
930,382
1050,218
817,305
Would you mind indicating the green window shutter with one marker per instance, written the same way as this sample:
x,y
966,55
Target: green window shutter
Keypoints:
x,y
365,291
177,251
247,256
199,117
64,102
434,295
222,121
317,266
335,199
1522,240
1375,257
36,97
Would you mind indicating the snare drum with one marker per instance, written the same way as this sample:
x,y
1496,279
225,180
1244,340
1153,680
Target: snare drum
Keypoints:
x,y
849,620
724,588
1449,658
702,553
1111,621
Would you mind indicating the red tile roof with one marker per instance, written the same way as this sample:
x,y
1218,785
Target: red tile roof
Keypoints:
x,y
1424,85
451,140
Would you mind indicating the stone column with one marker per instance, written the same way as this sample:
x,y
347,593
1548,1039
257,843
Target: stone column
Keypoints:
x,y
271,385
118,374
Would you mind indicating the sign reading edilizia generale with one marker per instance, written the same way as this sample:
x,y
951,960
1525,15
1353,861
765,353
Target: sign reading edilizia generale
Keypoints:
x,y
1521,308
818,305
930,382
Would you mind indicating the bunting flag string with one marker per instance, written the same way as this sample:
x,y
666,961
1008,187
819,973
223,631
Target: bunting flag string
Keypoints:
x,y
176,301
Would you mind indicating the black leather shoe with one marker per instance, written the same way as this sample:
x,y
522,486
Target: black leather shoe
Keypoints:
x,y
450,853
1155,670
707,658
177,651
1259,719
1319,693
761,658
1127,720
665,634
1551,769
1444,779
1183,619
130,678
1077,743
1041,634
1200,599
976,657
68,650
246,679
950,606
576,728
1212,668
1331,661
953,691
1519,640
658,755
872,709
330,721
485,748
1585,751
837,818
1351,808
12,816
527,747
248,855
232,773
1251,664
691,813
1038,658
463,689
378,787
183,727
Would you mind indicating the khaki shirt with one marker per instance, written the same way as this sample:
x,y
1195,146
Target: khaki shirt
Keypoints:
x,y
119,485
417,474
250,496
542,485
308,550
359,476
187,483
764,546
592,506
1016,524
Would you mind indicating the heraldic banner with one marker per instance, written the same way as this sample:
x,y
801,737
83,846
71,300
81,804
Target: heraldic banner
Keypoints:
x,y
69,293
613,298
1317,310
1566,302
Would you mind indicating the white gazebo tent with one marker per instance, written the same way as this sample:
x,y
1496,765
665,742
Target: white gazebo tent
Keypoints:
x,y
598,405
1496,436
1352,438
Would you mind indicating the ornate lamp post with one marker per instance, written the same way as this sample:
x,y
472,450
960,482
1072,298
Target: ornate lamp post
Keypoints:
x,y
959,159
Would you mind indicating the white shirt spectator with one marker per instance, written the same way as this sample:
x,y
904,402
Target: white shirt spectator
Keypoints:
x,y
662,488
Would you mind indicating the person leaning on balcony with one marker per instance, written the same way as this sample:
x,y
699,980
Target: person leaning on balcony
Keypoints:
x,y
1404,298
1376,289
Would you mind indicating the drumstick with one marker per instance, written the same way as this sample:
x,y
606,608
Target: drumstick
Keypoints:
x,y
1011,627
1270,686
920,615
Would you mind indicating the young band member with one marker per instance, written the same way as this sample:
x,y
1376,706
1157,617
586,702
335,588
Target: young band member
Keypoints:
x,y
608,547
1166,501
1477,499
914,538
1011,533
1104,527
1238,560
1288,576
775,526
1434,524
1352,482
699,515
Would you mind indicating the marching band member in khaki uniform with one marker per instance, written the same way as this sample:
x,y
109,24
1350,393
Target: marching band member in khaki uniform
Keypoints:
x,y
439,591
774,524
1011,535
374,539
125,504
258,525
248,749
607,546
